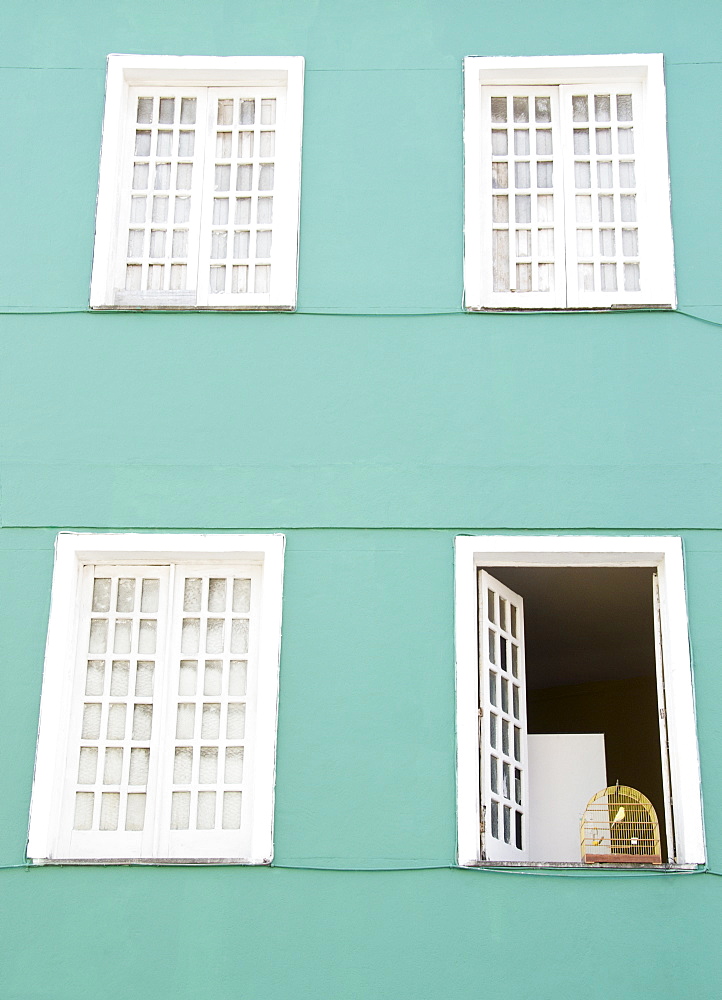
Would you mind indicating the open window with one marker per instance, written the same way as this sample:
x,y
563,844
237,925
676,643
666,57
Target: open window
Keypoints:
x,y
573,674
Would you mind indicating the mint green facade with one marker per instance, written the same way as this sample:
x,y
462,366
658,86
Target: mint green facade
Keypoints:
x,y
371,427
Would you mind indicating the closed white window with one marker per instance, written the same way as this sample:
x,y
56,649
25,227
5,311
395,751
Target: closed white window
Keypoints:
x,y
199,183
573,676
158,714
567,191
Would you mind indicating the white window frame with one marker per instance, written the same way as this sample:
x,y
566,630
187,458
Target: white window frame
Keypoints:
x,y
126,71
663,554
646,70
73,552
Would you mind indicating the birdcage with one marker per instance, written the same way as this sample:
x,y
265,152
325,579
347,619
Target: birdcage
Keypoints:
x,y
620,825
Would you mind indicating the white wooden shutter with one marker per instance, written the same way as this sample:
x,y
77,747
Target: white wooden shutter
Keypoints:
x,y
521,190
604,196
240,238
207,802
115,727
160,205
502,722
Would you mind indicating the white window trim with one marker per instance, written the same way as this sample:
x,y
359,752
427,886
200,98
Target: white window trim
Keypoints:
x,y
664,554
125,71
646,68
74,551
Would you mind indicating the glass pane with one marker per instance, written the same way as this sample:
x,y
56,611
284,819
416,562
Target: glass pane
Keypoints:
x,y
507,825
543,141
493,730
101,595
581,140
604,140
498,109
210,722
234,766
521,141
624,107
87,765
213,677
522,174
98,635
499,142
166,114
139,760
190,636
236,726
180,810
522,208
504,736
91,722
631,277
231,811
83,819
214,635
602,108
543,109
147,636
185,720
119,678
206,810
237,679
113,766
217,594
142,722
517,786
187,678
504,695
109,810
208,772
580,108
517,743
521,109
149,596
116,722
506,780
494,774
500,209
188,111
495,819
183,766
95,677
492,687
135,811
500,175
239,635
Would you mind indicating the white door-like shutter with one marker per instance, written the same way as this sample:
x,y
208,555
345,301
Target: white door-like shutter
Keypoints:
x,y
502,722
206,805
521,190
241,210
115,725
602,136
160,208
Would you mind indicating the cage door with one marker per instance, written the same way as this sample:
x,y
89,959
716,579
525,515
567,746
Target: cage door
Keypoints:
x,y
502,722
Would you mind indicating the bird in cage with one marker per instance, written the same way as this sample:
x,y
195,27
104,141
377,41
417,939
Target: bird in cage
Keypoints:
x,y
620,825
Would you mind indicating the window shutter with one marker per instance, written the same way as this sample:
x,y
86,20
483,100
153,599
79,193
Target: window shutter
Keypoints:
x,y
521,185
240,211
213,685
502,722
115,724
160,221
603,195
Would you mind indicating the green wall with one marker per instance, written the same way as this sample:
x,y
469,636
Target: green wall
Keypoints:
x,y
371,440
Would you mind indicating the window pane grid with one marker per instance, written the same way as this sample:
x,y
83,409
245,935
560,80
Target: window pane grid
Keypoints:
x,y
523,171
114,746
210,704
606,246
165,181
243,194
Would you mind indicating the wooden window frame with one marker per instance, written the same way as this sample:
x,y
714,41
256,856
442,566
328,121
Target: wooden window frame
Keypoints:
x,y
73,552
127,71
661,553
644,69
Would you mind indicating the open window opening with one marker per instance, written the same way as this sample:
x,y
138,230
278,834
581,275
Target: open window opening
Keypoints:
x,y
574,687
592,701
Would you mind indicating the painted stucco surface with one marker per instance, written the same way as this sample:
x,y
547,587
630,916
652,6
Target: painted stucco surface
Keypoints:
x,y
370,440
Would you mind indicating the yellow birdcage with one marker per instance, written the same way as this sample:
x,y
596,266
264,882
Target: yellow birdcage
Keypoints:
x,y
620,825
